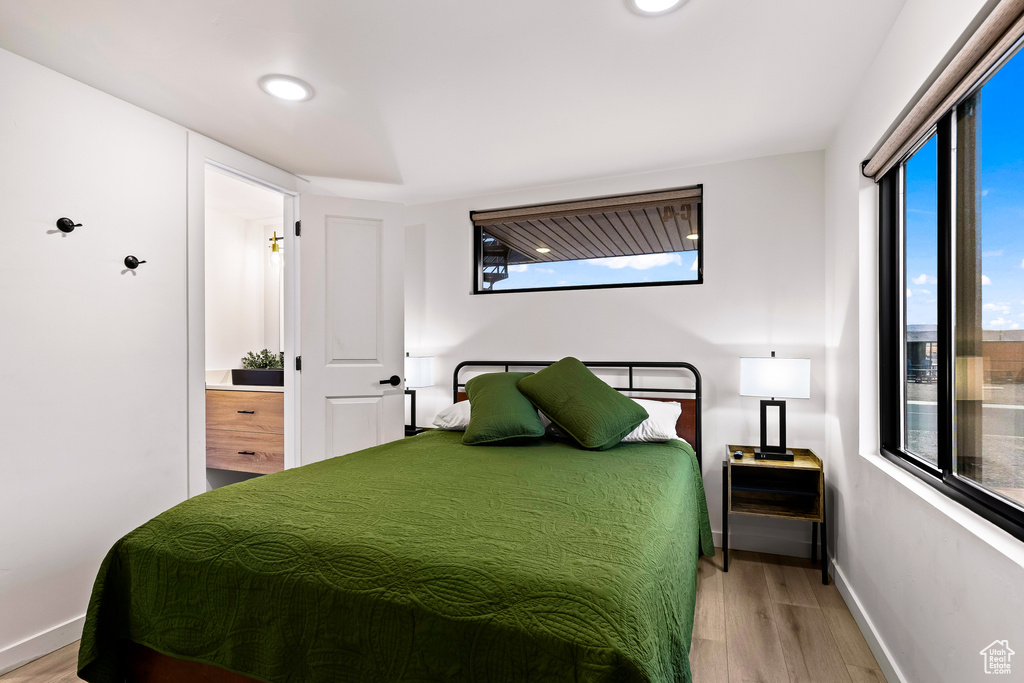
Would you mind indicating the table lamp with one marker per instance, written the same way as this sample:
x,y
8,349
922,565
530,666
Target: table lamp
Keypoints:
x,y
419,373
777,378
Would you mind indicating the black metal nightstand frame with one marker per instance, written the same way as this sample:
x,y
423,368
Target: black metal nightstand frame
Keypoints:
x,y
816,527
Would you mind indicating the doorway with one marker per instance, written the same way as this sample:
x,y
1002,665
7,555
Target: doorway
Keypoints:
x,y
244,320
242,299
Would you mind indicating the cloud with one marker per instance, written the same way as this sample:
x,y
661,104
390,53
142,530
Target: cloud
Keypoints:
x,y
522,268
694,266
984,193
923,279
985,280
1001,308
1015,326
923,291
998,321
909,294
639,262
993,253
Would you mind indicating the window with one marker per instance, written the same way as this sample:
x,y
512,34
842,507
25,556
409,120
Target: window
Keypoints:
x,y
952,300
920,268
633,240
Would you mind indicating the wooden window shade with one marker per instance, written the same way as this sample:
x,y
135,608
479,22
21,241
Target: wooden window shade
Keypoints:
x,y
627,225
994,38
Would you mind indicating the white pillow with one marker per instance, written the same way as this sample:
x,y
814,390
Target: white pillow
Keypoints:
x,y
661,423
454,418
551,430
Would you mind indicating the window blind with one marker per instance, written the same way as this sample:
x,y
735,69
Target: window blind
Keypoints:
x,y
1003,28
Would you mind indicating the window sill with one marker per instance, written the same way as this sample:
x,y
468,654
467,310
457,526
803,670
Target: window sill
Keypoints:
x,y
1000,540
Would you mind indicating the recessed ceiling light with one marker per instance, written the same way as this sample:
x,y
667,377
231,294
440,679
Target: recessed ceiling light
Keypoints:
x,y
650,8
543,250
693,236
286,88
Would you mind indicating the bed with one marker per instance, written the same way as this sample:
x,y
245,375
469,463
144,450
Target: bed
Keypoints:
x,y
420,560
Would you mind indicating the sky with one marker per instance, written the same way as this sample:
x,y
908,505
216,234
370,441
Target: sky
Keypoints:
x,y
668,267
1002,210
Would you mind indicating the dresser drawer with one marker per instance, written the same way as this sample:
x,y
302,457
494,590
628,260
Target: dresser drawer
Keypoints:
x,y
257,452
245,411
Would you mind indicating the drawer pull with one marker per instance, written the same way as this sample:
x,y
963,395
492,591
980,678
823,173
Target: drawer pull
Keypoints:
x,y
248,412
247,452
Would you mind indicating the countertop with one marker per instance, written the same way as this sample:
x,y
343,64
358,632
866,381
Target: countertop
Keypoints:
x,y
242,387
220,380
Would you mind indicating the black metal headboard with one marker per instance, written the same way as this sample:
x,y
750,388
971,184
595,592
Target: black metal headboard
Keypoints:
x,y
629,366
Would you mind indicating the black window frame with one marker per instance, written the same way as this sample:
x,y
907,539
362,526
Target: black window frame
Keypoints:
x,y
478,233
891,295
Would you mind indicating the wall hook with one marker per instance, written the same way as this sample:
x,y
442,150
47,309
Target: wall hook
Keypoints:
x,y
131,263
67,225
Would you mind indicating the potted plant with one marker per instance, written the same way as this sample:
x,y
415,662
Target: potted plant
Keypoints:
x,y
260,369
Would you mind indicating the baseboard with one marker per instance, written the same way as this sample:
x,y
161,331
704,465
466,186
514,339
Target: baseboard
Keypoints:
x,y
882,654
34,647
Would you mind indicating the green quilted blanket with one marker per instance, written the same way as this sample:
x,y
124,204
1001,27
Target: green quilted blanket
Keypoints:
x,y
421,560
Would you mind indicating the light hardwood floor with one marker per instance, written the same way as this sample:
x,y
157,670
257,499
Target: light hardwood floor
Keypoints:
x,y
768,619
56,667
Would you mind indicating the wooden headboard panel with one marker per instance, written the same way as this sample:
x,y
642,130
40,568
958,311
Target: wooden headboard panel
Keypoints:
x,y
688,427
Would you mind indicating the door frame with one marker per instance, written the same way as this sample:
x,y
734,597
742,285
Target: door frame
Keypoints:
x,y
203,151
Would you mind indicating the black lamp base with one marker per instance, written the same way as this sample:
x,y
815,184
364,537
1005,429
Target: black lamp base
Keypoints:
x,y
777,452
412,429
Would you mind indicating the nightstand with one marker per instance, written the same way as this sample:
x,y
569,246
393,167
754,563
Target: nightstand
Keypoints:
x,y
776,488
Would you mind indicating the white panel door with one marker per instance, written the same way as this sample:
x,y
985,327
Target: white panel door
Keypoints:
x,y
352,332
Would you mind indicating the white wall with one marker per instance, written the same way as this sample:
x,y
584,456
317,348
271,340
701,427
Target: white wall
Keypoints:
x,y
273,286
235,274
763,290
934,582
93,407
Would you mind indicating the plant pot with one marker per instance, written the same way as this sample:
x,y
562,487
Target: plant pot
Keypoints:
x,y
273,377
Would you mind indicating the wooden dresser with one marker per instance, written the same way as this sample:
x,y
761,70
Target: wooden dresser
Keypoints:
x,y
245,431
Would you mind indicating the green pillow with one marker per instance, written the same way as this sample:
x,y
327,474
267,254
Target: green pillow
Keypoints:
x,y
586,408
498,411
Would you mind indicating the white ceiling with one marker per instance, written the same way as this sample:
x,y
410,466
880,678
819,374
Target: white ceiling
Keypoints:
x,y
451,97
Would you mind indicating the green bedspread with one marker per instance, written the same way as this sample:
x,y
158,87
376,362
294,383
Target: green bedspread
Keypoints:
x,y
421,560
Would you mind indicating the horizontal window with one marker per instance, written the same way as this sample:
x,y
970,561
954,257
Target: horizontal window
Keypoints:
x,y
652,238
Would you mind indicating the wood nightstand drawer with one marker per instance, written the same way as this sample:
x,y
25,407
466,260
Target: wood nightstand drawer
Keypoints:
x,y
245,411
255,452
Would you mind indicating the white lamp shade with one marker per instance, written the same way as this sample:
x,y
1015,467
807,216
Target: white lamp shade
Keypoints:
x,y
775,377
419,372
